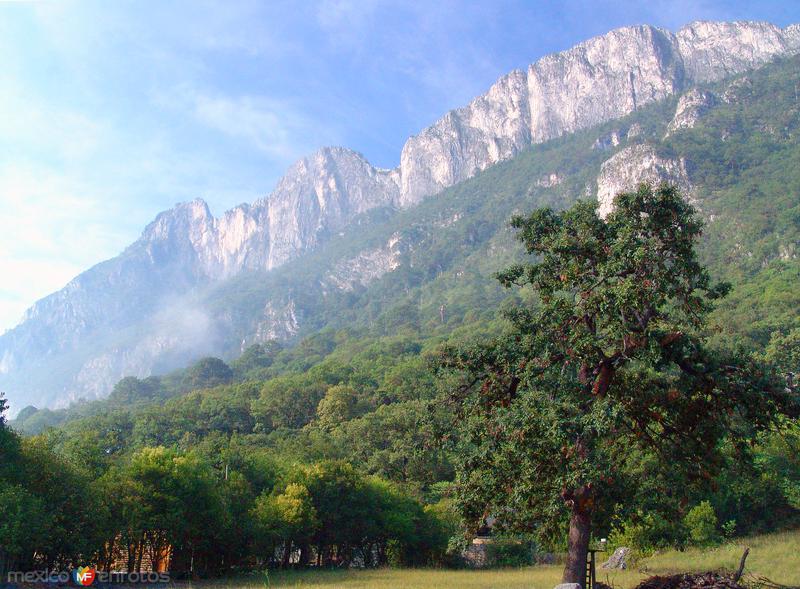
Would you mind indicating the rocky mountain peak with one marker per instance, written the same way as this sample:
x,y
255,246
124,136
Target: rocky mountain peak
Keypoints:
x,y
600,79
189,220
713,50
320,194
792,33
187,248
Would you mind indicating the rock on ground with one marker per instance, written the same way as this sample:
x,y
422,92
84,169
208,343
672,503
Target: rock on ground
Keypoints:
x,y
618,560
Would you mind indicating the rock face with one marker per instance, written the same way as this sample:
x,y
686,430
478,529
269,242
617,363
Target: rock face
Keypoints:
x,y
319,195
280,322
712,50
602,79
368,266
633,165
186,247
598,80
691,107
607,141
493,127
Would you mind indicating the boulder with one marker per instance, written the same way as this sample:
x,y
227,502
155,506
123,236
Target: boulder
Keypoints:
x,y
618,560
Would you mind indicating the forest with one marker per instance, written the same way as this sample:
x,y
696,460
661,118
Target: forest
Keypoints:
x,y
362,442
350,450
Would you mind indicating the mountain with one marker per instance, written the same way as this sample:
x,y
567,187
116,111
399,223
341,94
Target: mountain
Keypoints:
x,y
194,284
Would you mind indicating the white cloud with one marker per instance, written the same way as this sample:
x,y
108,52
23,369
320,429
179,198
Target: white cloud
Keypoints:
x,y
274,127
52,227
269,125
27,121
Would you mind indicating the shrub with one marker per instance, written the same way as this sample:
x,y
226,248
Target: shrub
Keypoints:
x,y
729,529
701,522
647,534
511,552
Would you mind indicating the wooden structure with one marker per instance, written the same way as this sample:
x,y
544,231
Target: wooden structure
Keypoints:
x,y
591,562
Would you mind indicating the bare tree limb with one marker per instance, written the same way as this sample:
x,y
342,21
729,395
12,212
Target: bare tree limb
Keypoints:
x,y
739,572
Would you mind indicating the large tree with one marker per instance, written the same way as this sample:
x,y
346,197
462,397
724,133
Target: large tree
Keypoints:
x,y
606,361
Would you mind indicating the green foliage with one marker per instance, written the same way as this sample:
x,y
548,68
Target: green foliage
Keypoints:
x,y
355,387
511,552
784,350
779,462
337,406
701,522
397,441
287,402
207,373
729,529
24,524
647,532
283,518
612,359
131,390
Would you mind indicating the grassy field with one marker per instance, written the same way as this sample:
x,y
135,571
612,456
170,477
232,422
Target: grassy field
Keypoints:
x,y
776,556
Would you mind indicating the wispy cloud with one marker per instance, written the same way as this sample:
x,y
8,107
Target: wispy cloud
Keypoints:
x,y
433,56
274,127
52,226
70,134
112,111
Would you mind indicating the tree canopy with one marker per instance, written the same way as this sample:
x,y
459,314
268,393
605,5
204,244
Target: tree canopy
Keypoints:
x,y
607,367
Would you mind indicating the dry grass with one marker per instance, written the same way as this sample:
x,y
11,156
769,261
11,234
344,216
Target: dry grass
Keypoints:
x,y
776,556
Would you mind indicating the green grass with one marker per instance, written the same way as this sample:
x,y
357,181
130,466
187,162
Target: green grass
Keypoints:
x,y
402,579
776,556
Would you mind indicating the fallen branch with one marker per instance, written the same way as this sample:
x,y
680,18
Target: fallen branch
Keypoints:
x,y
740,570
765,583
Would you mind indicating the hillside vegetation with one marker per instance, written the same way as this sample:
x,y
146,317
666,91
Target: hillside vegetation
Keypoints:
x,y
351,407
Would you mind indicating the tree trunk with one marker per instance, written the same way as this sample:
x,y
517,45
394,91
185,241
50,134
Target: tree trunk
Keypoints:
x,y
131,554
287,554
140,555
580,530
305,554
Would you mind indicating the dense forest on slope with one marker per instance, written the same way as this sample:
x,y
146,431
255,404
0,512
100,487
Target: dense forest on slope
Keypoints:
x,y
740,156
355,386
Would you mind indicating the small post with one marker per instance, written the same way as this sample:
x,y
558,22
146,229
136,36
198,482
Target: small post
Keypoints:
x,y
591,565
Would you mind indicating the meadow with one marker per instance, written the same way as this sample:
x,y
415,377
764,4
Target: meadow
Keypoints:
x,y
776,556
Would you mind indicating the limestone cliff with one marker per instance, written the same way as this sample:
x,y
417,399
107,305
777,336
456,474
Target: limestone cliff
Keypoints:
x,y
636,164
67,345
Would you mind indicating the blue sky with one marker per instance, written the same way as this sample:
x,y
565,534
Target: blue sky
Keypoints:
x,y
113,111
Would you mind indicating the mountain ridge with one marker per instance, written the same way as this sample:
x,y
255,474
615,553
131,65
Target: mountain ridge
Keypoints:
x,y
185,247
